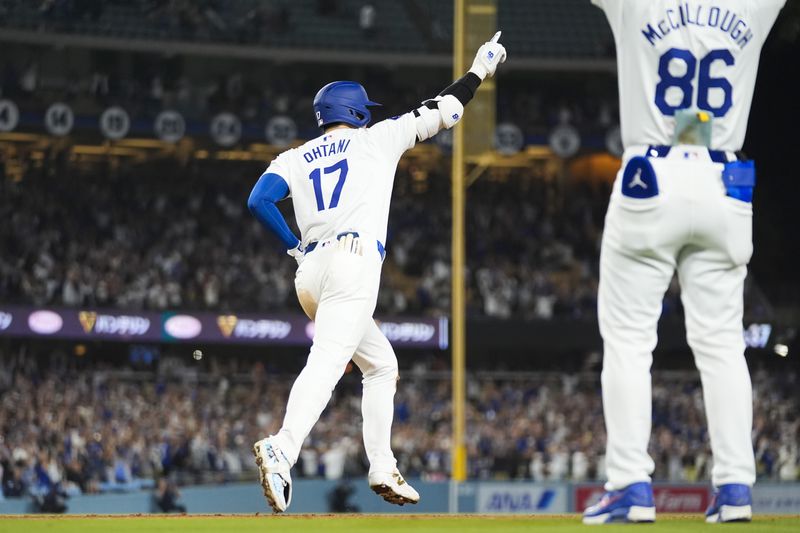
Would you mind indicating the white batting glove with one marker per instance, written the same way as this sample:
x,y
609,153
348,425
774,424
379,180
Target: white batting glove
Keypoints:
x,y
298,253
350,244
489,55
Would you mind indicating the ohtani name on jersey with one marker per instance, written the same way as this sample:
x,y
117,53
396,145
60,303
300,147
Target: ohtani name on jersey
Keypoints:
x,y
325,150
697,14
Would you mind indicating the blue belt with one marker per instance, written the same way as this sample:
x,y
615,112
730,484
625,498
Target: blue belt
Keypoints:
x,y
312,245
738,176
717,156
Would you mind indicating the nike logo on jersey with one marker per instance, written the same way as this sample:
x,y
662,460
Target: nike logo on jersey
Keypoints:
x,y
699,15
324,150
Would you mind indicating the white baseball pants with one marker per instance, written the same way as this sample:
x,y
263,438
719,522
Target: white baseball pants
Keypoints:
x,y
694,228
338,289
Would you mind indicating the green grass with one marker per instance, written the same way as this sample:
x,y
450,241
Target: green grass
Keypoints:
x,y
370,523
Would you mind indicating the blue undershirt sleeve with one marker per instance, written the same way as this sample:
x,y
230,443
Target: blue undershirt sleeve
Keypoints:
x,y
272,188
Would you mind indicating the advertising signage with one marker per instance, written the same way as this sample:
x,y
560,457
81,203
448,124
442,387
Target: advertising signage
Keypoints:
x,y
198,327
669,498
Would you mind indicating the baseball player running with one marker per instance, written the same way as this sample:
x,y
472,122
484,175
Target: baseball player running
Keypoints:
x,y
341,185
681,202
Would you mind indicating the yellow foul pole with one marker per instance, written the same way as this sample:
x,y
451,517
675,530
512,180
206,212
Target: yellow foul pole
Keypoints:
x,y
459,451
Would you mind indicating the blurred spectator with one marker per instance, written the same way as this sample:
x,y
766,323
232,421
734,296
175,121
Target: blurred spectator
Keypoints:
x,y
167,497
29,80
366,20
51,502
339,499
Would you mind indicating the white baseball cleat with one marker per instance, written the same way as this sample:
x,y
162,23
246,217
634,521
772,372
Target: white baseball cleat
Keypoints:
x,y
273,470
392,487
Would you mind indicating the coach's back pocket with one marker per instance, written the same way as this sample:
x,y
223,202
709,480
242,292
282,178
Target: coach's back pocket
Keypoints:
x,y
639,179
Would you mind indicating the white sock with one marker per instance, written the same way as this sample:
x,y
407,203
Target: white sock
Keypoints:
x,y
377,409
310,394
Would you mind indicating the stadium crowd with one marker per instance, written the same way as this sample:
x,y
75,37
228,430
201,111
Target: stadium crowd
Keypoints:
x,y
102,428
130,239
125,237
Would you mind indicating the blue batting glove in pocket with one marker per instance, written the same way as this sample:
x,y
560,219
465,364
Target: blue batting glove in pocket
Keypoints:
x,y
639,179
739,178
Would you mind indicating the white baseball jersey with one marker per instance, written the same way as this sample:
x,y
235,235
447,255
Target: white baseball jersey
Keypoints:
x,y
342,181
687,54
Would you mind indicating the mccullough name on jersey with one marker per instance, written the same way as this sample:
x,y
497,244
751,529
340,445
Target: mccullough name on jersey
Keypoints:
x,y
699,15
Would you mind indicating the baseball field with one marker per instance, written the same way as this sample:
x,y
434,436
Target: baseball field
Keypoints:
x,y
371,523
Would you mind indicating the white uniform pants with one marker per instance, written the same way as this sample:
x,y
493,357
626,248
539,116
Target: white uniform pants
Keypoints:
x,y
338,289
694,228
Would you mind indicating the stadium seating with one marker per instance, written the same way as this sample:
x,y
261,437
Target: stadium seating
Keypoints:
x,y
541,28
72,241
538,29
98,427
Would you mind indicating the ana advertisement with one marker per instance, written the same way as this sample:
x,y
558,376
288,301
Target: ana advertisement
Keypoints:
x,y
519,498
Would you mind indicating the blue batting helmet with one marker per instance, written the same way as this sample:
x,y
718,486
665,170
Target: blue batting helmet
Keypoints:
x,y
342,101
